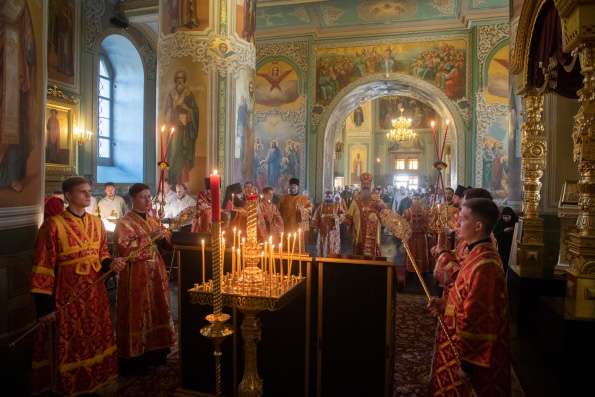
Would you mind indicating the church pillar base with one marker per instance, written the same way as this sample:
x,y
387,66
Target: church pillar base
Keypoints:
x,y
527,258
580,280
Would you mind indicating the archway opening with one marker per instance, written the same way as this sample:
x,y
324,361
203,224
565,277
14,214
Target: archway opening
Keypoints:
x,y
393,85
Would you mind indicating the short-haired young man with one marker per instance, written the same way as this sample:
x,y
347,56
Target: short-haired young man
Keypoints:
x,y
475,313
111,206
70,255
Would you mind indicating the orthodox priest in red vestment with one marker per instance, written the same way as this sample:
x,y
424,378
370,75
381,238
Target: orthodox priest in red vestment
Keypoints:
x,y
145,329
327,219
269,220
364,216
70,255
417,217
475,313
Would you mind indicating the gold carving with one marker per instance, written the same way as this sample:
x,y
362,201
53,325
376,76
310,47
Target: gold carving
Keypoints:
x,y
533,152
55,93
578,22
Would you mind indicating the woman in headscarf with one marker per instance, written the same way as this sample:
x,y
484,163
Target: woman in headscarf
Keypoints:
x,y
503,231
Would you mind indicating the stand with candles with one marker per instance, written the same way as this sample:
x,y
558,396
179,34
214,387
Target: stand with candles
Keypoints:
x,y
163,167
260,279
439,208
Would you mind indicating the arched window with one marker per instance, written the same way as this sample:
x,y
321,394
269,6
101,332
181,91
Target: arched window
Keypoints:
x,y
105,111
120,112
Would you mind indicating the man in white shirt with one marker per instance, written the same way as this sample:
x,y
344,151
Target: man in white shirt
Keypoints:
x,y
169,197
92,208
180,203
111,206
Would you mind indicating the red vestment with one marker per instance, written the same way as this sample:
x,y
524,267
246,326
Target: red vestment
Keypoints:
x,y
269,221
201,222
364,214
68,254
418,243
144,316
476,317
296,211
327,219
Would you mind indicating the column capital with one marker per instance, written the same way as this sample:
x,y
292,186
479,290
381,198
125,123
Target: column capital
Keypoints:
x,y
578,22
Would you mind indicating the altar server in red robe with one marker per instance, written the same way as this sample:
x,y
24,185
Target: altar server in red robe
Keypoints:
x,y
70,255
269,220
417,216
475,313
145,329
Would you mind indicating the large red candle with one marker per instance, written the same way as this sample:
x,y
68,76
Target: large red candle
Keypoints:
x,y
215,180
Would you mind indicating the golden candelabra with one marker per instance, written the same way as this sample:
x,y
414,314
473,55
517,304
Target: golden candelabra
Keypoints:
x,y
261,279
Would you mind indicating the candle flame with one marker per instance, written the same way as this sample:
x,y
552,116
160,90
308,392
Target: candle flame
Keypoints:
x,y
433,123
447,121
202,241
215,172
172,130
162,128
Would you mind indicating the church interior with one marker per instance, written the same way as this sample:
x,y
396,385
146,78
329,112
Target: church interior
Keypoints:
x,y
297,197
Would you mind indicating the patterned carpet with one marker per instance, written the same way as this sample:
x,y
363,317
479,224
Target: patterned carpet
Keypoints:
x,y
414,346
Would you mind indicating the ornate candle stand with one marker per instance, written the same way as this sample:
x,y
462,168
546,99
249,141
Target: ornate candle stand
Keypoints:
x,y
252,291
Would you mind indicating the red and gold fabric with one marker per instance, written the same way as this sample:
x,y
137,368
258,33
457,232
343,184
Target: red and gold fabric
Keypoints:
x,y
144,316
68,254
417,217
201,221
269,221
363,215
476,316
327,219
296,211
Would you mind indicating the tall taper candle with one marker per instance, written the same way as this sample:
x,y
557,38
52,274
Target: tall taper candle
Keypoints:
x,y
215,182
202,243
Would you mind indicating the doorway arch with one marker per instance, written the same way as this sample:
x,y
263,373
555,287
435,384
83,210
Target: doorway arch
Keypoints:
x,y
376,86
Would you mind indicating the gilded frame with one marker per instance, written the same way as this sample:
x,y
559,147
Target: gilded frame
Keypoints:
x,y
57,171
53,75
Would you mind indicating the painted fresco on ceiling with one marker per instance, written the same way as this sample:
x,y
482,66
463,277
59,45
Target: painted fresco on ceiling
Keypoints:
x,y
244,137
494,149
21,104
441,63
184,15
354,12
184,93
421,115
279,148
497,88
246,19
268,17
481,4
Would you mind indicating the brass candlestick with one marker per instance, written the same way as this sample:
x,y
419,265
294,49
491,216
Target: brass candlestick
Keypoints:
x,y
217,329
252,291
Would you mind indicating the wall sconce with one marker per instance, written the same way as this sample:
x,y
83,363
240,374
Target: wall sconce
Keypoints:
x,y
82,136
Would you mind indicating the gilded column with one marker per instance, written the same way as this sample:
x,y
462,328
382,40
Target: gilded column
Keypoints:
x,y
206,62
529,233
579,36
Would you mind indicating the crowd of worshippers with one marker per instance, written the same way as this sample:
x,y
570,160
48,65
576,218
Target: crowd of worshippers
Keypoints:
x,y
76,350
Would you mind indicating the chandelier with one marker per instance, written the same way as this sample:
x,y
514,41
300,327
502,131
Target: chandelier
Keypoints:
x,y
401,130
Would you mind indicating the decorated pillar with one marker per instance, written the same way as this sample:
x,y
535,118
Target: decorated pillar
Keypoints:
x,y
579,36
528,261
206,62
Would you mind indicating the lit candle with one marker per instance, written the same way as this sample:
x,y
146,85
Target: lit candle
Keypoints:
x,y
281,259
222,255
202,243
239,261
171,134
233,252
243,253
300,251
161,141
262,260
233,195
444,140
266,257
433,124
272,259
215,181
